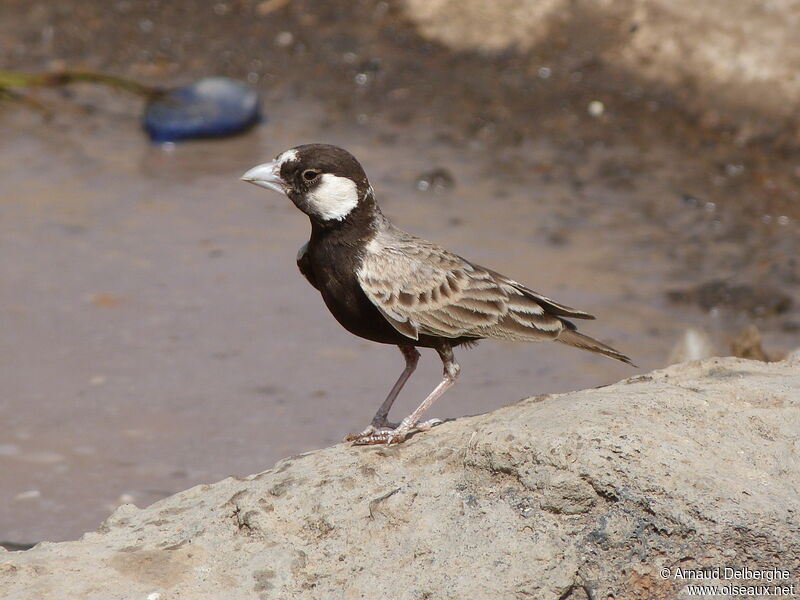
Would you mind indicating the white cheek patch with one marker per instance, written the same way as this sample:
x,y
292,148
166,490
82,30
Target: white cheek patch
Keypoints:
x,y
333,197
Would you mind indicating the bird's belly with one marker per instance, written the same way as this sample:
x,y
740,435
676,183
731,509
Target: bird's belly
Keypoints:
x,y
353,310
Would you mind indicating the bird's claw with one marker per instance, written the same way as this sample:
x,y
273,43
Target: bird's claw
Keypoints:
x,y
378,436
389,435
428,425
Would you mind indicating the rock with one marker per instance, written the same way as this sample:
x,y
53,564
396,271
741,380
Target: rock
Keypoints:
x,y
754,300
694,344
587,494
748,344
436,180
720,57
16,545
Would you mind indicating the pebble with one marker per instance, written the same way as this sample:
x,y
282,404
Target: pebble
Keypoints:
x,y
436,180
596,108
28,495
284,39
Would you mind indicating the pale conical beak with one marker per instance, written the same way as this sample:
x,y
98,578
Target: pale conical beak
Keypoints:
x,y
267,176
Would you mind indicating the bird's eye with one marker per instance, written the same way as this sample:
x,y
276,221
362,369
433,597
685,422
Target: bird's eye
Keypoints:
x,y
310,174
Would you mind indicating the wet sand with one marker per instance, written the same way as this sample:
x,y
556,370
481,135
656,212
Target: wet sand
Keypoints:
x,y
156,333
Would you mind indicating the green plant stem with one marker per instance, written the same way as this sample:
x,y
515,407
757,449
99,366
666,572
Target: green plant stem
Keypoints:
x,y
13,80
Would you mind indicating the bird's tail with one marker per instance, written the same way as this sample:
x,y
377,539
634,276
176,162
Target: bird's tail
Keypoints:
x,y
584,342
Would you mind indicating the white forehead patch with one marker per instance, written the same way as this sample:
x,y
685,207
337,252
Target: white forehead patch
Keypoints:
x,y
287,156
333,197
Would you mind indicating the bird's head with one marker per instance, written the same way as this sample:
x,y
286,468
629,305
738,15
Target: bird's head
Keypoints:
x,y
325,182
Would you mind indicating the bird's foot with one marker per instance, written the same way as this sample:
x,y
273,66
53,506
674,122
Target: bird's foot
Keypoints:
x,y
428,425
389,435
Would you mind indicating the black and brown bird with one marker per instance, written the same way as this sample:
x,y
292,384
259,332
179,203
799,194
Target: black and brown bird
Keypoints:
x,y
388,286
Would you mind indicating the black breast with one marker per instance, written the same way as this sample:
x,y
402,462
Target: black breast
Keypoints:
x,y
330,263
334,263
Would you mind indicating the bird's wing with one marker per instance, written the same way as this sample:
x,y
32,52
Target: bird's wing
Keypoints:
x,y
304,264
420,287
551,306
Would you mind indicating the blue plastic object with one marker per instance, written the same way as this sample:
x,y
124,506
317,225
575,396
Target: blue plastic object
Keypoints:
x,y
210,107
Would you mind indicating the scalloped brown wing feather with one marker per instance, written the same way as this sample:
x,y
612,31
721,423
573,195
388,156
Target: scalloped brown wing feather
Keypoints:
x,y
422,288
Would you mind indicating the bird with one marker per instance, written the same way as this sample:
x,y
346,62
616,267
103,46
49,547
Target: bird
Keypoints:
x,y
391,287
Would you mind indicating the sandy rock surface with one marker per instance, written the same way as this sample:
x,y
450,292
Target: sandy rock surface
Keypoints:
x,y
718,56
587,494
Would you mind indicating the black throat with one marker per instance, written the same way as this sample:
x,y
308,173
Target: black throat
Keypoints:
x,y
335,252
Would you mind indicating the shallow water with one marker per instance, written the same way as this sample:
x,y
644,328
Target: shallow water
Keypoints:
x,y
157,335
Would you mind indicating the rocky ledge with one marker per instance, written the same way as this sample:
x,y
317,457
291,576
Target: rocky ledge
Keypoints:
x,y
595,494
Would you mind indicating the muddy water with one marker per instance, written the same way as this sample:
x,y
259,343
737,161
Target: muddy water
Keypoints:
x,y
156,333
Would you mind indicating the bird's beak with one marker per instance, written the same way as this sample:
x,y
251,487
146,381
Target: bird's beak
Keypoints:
x,y
267,176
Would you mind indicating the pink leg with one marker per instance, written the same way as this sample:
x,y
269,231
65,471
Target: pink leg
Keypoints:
x,y
387,435
381,418
412,358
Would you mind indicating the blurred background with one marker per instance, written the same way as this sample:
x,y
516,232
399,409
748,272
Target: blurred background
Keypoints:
x,y
639,160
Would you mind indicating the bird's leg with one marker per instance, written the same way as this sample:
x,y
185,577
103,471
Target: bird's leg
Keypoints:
x,y
397,435
411,355
380,420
